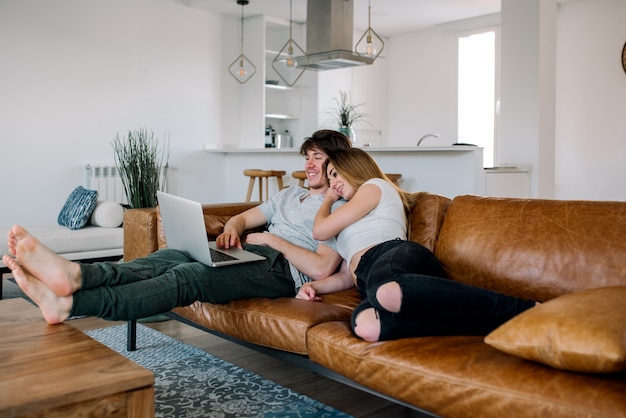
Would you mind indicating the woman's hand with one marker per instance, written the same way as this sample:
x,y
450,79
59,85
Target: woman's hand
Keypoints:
x,y
331,195
307,292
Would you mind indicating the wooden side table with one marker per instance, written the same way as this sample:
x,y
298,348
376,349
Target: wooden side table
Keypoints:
x,y
57,371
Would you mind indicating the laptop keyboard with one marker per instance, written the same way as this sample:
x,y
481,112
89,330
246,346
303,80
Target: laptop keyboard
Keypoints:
x,y
218,256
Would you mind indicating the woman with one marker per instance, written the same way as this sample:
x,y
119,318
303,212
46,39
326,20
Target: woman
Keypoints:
x,y
404,286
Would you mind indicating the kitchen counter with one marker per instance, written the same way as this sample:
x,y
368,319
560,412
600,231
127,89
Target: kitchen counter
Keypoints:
x,y
455,148
448,171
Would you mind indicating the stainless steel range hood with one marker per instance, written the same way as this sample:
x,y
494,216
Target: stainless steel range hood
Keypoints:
x,y
329,27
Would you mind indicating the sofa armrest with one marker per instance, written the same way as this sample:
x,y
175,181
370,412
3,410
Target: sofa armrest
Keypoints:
x,y
140,233
143,234
227,209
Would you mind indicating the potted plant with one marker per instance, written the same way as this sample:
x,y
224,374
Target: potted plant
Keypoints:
x,y
347,114
142,166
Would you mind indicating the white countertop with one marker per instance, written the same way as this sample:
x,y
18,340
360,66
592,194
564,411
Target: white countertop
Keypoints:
x,y
452,148
518,168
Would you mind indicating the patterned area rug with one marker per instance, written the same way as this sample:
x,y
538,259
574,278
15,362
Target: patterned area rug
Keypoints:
x,y
192,383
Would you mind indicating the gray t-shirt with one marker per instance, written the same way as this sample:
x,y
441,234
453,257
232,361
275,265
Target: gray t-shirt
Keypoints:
x,y
290,215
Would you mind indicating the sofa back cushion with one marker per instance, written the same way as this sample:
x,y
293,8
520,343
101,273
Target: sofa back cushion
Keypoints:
x,y
532,248
427,215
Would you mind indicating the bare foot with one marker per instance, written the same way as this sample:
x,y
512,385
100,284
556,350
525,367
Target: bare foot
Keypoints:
x,y
60,275
55,309
11,242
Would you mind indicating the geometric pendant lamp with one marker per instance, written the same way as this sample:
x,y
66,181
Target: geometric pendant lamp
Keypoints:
x,y
370,44
242,69
285,62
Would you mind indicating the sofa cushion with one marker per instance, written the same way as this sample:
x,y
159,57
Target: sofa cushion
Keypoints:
x,y
461,376
78,208
280,323
427,214
583,331
107,214
88,242
532,248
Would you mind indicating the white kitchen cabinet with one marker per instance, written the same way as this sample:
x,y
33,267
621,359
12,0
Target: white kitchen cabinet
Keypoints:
x,y
284,108
305,107
513,181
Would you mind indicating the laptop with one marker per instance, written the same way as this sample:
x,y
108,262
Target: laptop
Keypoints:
x,y
183,224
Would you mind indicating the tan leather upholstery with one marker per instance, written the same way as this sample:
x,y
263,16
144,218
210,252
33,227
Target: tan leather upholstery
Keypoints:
x,y
140,233
536,249
463,377
289,319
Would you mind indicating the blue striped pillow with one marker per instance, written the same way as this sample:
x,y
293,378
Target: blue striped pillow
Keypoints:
x,y
78,208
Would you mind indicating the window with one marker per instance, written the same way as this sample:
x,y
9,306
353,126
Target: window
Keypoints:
x,y
478,92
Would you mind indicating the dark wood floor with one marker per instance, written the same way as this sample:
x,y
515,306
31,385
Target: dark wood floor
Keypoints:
x,y
337,395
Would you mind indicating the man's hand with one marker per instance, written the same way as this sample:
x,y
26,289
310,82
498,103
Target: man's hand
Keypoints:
x,y
228,239
307,292
235,227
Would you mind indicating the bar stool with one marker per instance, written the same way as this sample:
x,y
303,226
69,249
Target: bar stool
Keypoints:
x,y
394,177
300,176
263,176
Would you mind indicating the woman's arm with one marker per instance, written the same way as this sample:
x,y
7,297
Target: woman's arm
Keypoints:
x,y
338,281
328,224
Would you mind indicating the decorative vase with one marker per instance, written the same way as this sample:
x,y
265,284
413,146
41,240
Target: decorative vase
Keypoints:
x,y
349,132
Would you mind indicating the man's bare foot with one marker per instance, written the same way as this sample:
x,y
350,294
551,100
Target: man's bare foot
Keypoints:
x,y
55,309
60,275
11,242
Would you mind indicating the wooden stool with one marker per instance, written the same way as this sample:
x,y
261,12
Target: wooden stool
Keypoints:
x,y
301,176
394,177
263,176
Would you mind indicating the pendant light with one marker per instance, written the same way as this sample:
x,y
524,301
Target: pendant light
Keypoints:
x,y
285,62
370,44
242,69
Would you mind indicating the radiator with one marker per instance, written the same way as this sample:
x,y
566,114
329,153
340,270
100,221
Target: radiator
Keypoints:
x,y
106,180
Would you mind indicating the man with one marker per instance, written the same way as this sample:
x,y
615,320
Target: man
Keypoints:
x,y
169,278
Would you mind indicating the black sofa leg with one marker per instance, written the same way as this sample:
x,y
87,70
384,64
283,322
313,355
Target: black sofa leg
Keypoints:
x,y
131,339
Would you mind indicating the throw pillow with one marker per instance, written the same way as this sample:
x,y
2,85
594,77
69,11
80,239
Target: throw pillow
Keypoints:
x,y
107,214
78,208
583,331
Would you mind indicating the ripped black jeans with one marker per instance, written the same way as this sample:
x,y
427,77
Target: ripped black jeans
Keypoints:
x,y
432,304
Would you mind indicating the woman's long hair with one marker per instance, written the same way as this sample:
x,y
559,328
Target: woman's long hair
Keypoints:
x,y
357,166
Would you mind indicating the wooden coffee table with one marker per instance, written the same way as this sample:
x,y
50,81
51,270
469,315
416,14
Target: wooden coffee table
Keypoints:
x,y
57,371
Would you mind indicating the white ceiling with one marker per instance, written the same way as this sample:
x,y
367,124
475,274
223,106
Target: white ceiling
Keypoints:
x,y
389,17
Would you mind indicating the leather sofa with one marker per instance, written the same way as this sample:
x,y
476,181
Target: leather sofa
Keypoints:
x,y
566,357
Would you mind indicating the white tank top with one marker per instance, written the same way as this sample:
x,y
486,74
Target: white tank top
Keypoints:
x,y
387,221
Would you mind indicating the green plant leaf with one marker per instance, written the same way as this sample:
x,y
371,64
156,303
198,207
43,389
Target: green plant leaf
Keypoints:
x,y
142,166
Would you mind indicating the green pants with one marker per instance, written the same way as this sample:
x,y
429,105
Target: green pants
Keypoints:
x,y
169,278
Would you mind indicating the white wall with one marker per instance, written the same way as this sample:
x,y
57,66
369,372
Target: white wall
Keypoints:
x,y
75,73
591,101
422,87
527,90
590,121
